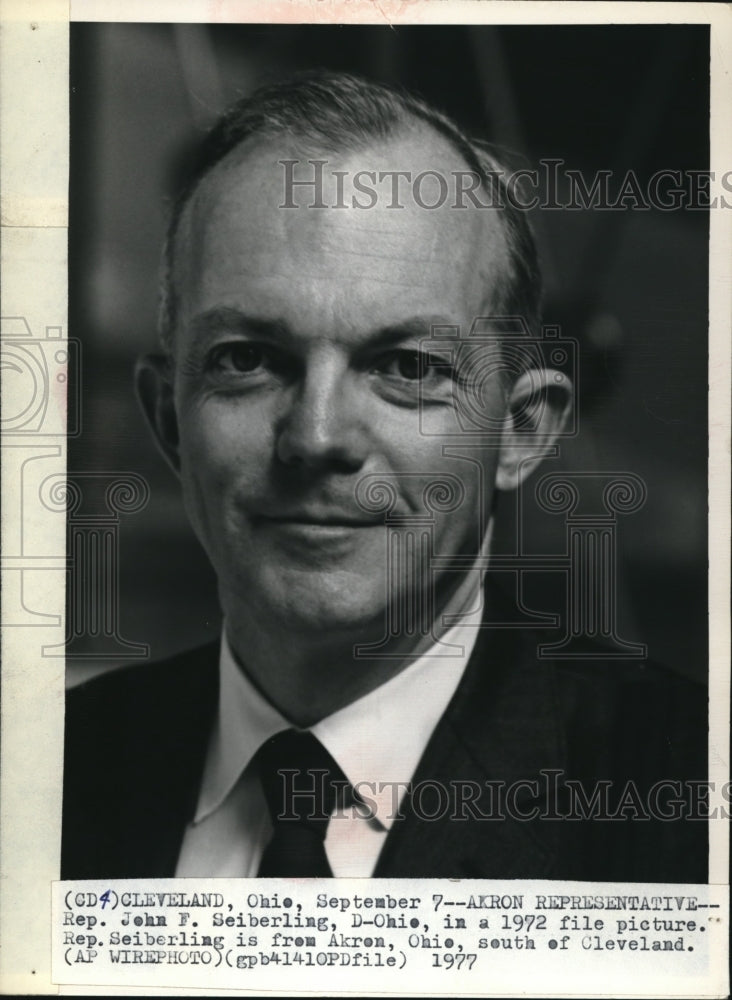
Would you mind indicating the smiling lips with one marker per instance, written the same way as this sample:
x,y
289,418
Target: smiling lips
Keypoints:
x,y
317,525
334,520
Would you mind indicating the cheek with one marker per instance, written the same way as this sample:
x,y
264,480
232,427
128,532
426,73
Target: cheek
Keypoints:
x,y
224,440
460,497
224,455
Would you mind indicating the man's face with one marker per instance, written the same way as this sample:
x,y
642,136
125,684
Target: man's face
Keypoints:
x,y
297,374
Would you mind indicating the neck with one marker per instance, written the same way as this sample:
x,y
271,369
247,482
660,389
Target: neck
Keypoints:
x,y
308,679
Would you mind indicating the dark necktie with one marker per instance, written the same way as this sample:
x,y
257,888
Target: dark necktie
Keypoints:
x,y
300,780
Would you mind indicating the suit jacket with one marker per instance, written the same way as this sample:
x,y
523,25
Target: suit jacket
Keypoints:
x,y
137,739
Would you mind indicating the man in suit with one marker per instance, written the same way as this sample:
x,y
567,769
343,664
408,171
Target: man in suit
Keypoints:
x,y
356,720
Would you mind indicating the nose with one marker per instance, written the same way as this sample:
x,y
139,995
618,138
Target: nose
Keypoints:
x,y
321,428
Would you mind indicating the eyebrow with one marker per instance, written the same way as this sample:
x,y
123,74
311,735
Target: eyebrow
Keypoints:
x,y
421,327
227,318
232,320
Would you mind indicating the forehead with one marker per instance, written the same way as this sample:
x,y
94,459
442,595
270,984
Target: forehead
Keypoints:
x,y
239,246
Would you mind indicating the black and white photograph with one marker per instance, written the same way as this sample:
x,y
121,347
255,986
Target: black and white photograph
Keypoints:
x,y
324,371
386,502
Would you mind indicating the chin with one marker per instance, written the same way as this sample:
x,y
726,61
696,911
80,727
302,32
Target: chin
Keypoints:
x,y
331,614
318,605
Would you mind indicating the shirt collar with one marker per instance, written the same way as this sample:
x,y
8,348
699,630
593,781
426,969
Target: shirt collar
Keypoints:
x,y
377,740
244,721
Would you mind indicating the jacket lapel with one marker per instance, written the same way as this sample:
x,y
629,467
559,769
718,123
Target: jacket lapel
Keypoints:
x,y
496,737
173,804
127,803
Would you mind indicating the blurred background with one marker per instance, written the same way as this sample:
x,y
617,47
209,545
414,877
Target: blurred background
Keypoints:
x,y
630,286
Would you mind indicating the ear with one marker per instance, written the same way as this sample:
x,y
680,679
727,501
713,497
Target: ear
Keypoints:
x,y
154,385
539,404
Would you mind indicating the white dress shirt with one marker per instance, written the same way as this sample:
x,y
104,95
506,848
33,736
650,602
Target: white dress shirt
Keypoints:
x,y
377,740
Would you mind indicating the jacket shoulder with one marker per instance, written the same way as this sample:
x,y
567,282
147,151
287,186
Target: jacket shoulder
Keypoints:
x,y
634,715
143,689
134,750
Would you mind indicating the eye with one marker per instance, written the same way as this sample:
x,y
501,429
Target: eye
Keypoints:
x,y
408,365
242,356
414,367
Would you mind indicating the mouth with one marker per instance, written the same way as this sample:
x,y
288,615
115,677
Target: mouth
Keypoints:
x,y
316,527
325,523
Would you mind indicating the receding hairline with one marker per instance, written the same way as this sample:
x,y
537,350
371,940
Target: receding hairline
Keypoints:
x,y
396,114
284,146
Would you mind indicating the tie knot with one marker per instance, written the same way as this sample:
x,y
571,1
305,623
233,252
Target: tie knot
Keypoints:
x,y
300,780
